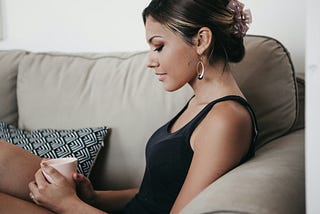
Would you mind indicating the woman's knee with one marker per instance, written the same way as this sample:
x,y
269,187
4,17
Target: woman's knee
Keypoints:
x,y
9,154
5,155
12,155
17,168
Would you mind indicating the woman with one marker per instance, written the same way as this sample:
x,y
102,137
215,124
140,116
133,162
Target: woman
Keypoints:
x,y
192,42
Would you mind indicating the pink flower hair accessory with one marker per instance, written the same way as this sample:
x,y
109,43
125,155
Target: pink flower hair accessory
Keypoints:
x,y
242,18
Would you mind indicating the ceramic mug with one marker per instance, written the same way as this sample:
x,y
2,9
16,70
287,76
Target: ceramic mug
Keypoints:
x,y
65,166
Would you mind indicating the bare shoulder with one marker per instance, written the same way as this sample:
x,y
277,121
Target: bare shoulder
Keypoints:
x,y
228,123
230,113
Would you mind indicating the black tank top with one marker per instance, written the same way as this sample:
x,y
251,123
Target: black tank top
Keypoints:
x,y
168,158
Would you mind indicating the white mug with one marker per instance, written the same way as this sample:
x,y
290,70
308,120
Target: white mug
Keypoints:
x,y
65,166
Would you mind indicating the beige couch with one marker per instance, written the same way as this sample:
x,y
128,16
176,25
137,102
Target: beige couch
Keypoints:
x,y
64,91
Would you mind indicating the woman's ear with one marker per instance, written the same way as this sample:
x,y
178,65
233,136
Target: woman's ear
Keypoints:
x,y
203,40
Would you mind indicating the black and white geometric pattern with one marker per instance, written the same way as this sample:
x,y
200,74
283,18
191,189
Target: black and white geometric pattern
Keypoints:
x,y
83,144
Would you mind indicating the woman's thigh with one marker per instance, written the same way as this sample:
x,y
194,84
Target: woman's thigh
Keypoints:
x,y
17,169
10,204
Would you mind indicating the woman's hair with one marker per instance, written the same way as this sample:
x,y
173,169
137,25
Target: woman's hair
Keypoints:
x,y
186,17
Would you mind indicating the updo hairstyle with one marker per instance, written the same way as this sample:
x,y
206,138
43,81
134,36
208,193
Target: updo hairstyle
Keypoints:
x,y
186,17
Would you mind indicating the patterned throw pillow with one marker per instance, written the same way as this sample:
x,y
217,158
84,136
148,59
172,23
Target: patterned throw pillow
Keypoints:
x,y
83,144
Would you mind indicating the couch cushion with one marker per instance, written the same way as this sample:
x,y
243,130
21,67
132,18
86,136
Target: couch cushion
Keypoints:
x,y
300,122
66,91
271,182
9,61
266,77
83,144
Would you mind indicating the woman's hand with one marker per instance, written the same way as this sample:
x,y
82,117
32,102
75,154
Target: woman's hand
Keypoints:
x,y
85,189
58,196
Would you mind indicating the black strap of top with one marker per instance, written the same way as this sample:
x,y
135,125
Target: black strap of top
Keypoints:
x,y
195,121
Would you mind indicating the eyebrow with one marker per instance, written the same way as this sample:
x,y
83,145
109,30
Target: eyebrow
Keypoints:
x,y
150,40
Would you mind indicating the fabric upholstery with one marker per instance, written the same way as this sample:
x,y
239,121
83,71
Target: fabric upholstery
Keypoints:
x,y
301,97
266,77
65,91
272,182
9,61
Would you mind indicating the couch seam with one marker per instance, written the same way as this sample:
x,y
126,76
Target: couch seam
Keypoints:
x,y
78,55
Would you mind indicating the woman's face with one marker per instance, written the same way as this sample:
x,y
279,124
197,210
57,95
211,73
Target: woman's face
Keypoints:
x,y
173,60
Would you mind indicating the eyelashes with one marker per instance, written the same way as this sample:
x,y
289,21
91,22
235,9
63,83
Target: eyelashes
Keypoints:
x,y
158,49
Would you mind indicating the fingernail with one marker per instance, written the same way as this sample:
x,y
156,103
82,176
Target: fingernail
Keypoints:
x,y
44,167
44,164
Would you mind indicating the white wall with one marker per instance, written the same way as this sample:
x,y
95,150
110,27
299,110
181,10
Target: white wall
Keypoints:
x,y
312,107
0,22
116,25
73,25
283,20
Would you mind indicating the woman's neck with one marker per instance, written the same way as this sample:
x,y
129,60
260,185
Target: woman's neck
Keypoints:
x,y
217,82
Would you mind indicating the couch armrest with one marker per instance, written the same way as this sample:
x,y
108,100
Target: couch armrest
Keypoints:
x,y
300,121
300,75
271,182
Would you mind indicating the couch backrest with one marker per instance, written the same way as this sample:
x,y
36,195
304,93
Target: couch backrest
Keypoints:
x,y
266,77
63,91
9,61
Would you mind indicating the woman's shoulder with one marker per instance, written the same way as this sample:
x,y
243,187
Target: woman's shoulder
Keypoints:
x,y
230,110
224,133
226,121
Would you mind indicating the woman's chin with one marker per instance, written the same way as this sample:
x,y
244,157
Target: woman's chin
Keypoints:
x,y
170,88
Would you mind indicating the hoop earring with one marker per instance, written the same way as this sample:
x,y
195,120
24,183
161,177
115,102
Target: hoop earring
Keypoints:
x,y
200,76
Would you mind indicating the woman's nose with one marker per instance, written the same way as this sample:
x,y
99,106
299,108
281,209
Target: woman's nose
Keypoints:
x,y
152,62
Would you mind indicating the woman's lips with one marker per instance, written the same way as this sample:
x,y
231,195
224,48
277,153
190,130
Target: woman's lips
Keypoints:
x,y
161,76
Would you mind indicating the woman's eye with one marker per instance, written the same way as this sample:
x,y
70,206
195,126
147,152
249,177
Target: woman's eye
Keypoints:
x,y
158,48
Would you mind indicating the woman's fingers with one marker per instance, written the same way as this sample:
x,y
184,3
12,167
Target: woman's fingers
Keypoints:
x,y
84,188
78,178
51,195
51,173
34,192
40,180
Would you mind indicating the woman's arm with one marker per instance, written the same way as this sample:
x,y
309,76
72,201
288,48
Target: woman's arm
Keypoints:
x,y
219,142
111,200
